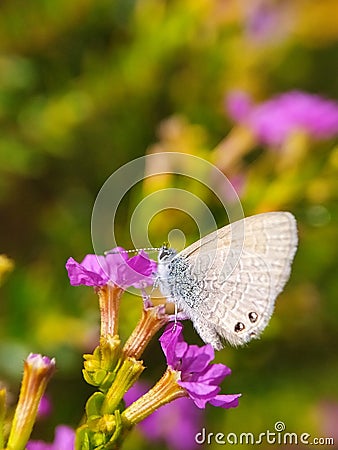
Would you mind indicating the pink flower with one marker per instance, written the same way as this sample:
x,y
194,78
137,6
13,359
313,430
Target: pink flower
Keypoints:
x,y
98,270
197,376
267,22
275,120
37,362
45,407
64,440
328,418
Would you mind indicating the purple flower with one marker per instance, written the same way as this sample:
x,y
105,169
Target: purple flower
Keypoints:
x,y
64,440
239,105
98,270
328,418
267,22
200,379
45,407
37,363
275,120
175,423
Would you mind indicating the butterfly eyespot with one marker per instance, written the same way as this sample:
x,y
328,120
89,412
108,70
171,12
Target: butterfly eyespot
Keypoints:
x,y
253,316
239,327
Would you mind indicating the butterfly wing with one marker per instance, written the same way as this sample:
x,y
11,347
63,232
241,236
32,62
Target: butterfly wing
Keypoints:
x,y
244,266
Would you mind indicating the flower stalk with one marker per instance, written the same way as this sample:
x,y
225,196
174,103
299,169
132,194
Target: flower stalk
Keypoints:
x,y
153,318
109,300
165,390
37,372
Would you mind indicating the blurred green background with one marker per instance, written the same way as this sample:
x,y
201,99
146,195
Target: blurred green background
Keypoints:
x,y
86,87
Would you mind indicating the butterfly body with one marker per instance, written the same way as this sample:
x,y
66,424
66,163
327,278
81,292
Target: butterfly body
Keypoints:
x,y
227,282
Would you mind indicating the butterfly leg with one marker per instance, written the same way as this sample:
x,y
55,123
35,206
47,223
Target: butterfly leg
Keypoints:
x,y
147,303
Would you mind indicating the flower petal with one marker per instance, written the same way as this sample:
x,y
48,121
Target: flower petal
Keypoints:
x,y
98,270
214,374
197,359
79,275
64,438
173,345
200,390
192,364
225,401
142,264
200,395
95,263
136,271
275,120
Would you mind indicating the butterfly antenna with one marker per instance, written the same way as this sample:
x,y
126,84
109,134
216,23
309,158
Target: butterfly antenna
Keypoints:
x,y
133,250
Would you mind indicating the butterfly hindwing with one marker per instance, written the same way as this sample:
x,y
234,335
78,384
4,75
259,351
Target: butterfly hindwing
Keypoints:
x,y
228,281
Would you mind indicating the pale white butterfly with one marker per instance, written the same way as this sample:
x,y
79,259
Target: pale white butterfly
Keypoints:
x,y
227,282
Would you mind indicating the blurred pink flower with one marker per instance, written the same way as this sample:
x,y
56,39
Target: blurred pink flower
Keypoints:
x,y
275,120
328,412
266,22
45,407
239,105
64,440
175,423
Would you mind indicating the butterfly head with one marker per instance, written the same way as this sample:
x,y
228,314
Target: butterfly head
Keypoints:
x,y
166,253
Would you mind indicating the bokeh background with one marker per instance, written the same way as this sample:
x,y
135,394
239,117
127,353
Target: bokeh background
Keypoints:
x,y
86,87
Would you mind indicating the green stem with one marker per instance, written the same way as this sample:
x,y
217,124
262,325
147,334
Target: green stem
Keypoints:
x,y
2,416
128,373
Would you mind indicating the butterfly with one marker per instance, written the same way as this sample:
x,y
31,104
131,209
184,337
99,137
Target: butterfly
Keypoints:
x,y
227,282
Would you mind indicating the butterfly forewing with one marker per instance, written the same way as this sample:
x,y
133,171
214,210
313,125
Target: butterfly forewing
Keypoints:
x,y
272,236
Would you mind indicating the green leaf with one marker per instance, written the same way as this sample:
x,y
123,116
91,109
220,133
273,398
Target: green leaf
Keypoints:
x,y
94,405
